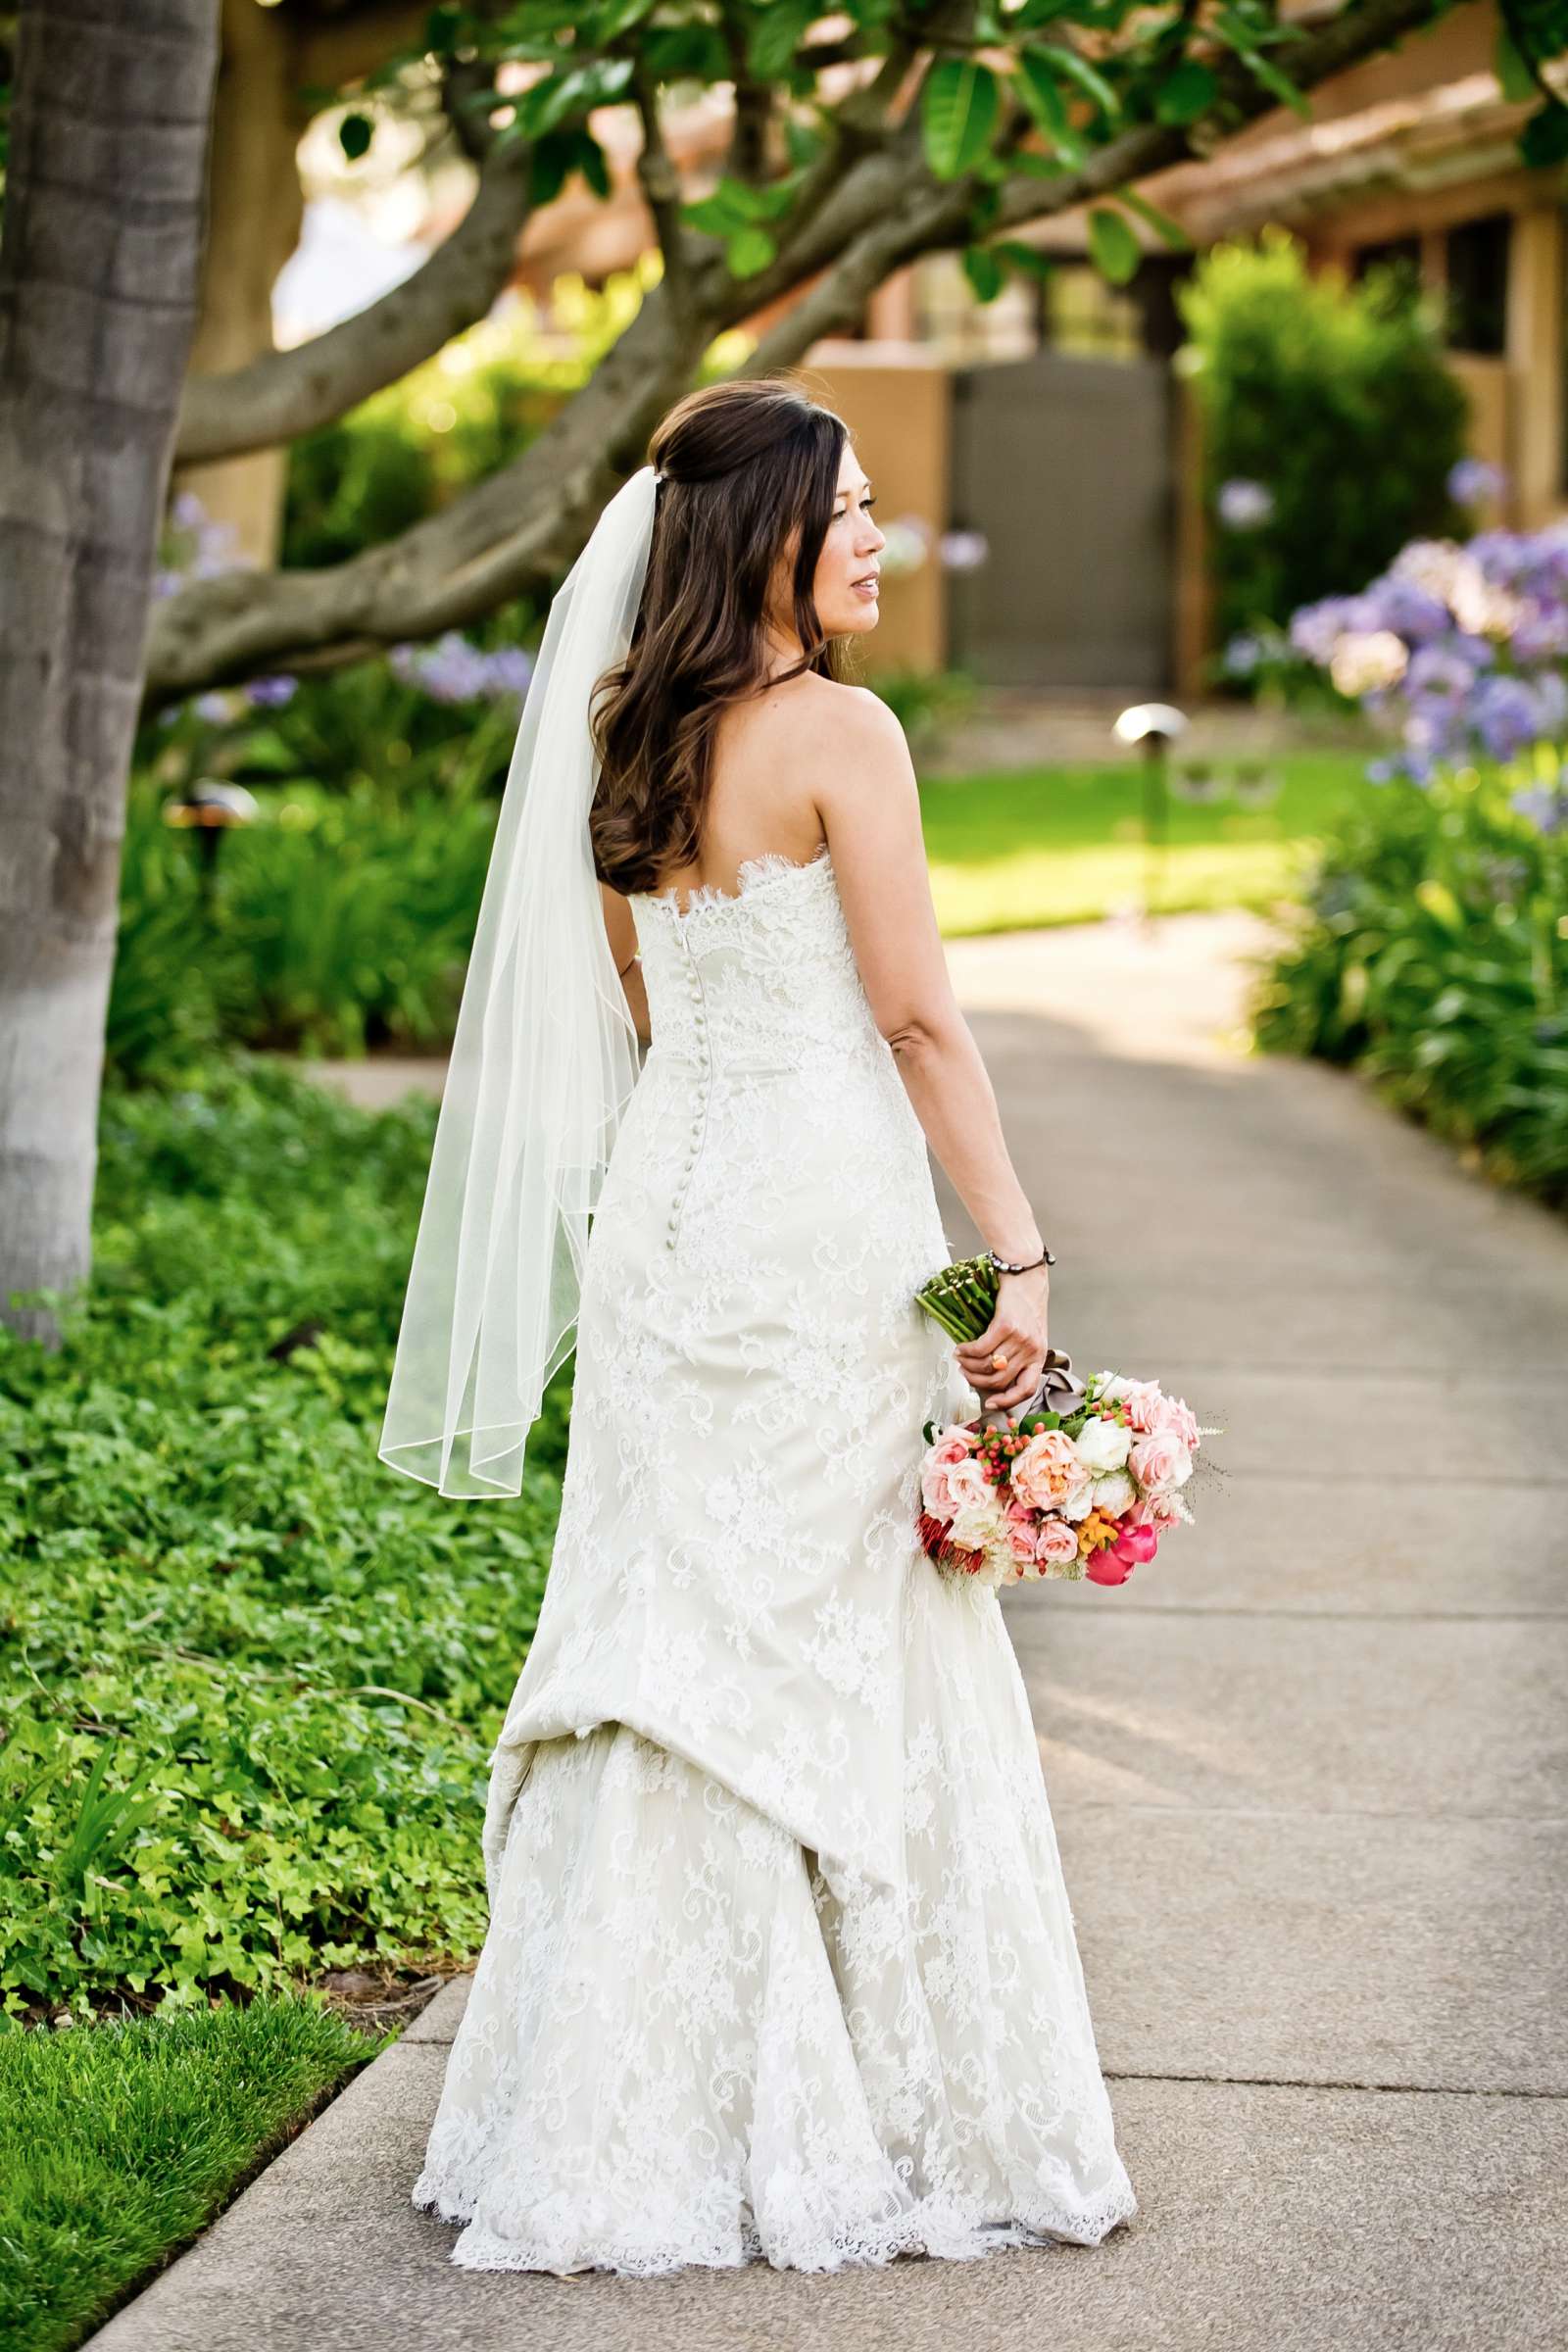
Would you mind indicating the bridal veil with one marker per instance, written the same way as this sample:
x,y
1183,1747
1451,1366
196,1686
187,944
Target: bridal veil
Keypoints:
x,y
543,1064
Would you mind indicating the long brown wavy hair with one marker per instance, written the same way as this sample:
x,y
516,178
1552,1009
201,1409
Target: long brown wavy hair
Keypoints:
x,y
746,464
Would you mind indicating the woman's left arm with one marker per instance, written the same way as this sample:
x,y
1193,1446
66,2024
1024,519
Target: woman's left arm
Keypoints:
x,y
621,932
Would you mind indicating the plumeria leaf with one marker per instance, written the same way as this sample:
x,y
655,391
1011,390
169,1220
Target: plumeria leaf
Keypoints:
x,y
1068,66
984,270
1186,94
1042,94
735,204
959,107
749,250
1113,245
1545,137
1172,231
1514,78
1027,259
776,36
1265,71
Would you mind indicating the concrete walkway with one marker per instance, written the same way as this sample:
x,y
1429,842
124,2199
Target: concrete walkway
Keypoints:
x,y
1308,1769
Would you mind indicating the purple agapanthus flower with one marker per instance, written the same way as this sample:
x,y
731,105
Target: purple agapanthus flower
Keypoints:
x,y
1243,654
1541,634
1409,611
1472,481
1542,806
1506,717
271,694
1439,670
452,671
1480,693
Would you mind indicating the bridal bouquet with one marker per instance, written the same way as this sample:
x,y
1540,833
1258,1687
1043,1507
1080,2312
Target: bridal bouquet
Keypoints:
x,y
1083,1483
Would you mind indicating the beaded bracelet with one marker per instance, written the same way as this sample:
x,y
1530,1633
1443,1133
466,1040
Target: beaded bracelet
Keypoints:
x,y
1047,1257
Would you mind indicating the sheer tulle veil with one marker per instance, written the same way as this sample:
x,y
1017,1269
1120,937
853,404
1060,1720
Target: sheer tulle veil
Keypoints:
x,y
543,1064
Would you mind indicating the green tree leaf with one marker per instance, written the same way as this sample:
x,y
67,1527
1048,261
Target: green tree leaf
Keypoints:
x,y
1186,94
1514,78
1068,66
749,250
1543,141
984,270
1172,231
777,34
1029,261
1041,93
959,109
1113,245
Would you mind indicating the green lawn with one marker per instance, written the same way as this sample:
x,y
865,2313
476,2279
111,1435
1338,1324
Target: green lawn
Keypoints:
x,y
119,2141
1064,845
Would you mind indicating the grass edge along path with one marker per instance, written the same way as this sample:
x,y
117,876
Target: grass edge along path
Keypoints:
x,y
121,2141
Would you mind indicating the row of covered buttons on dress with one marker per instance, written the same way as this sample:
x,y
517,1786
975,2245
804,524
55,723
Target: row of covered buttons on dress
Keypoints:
x,y
700,1085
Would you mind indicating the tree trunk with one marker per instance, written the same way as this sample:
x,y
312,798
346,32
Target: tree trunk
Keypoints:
x,y
99,260
255,207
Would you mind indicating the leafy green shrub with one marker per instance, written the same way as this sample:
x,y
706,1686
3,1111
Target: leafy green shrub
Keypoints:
x,y
340,919
249,1676
1332,422
1434,955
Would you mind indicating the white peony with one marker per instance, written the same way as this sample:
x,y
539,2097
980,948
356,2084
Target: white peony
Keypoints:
x,y
1103,1446
1080,1504
976,1524
1115,1492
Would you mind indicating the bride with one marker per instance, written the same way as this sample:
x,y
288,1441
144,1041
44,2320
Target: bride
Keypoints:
x,y
780,1962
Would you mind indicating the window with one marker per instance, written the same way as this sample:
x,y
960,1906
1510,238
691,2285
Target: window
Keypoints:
x,y
1478,284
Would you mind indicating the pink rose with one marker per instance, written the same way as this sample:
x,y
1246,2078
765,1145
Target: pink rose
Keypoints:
x,y
1178,1416
1160,1461
1057,1544
1144,1400
1049,1471
1020,1526
947,1450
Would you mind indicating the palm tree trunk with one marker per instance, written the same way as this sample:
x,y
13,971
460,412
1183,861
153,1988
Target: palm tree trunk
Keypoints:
x,y
99,259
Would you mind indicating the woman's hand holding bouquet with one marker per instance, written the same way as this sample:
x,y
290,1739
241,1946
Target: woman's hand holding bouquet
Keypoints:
x,y
1083,1485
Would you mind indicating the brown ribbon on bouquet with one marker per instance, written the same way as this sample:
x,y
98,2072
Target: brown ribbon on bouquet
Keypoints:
x,y
1060,1391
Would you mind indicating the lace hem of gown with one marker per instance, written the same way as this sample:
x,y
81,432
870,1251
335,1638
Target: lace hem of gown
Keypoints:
x,y
684,2045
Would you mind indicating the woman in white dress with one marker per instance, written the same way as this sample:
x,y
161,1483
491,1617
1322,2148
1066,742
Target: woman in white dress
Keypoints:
x,y
780,1961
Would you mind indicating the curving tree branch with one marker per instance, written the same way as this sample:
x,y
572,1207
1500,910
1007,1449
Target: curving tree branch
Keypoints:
x,y
519,530
286,393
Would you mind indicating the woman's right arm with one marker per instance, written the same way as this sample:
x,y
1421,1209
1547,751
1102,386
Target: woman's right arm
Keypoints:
x,y
869,807
621,932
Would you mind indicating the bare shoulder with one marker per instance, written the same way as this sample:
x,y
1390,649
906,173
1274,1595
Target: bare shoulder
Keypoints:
x,y
824,721
825,702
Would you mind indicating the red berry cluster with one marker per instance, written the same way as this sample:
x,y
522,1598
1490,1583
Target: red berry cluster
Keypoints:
x,y
996,1452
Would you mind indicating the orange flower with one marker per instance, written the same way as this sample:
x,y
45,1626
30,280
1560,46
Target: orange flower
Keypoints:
x,y
1096,1528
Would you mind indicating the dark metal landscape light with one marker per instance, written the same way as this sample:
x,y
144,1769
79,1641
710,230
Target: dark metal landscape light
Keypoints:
x,y
210,809
1151,729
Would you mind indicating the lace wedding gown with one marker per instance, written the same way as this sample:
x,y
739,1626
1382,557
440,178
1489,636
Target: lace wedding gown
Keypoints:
x,y
780,1961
